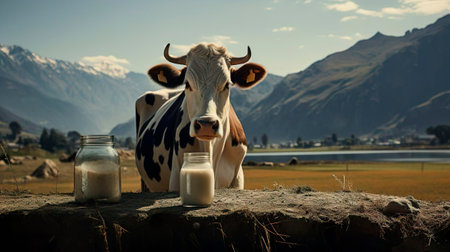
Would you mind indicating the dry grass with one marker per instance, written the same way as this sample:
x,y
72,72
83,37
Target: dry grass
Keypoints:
x,y
400,179
64,182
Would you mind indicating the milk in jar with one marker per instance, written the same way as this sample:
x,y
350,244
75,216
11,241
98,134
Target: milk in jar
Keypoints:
x,y
97,170
197,180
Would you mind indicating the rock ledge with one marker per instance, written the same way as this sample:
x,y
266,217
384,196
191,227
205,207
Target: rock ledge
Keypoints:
x,y
238,220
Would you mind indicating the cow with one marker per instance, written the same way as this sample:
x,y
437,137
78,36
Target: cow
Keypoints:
x,y
196,118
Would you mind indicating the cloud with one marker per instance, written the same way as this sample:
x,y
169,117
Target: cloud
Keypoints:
x,y
283,29
345,19
346,6
358,35
220,40
269,8
339,37
181,48
425,7
307,1
395,11
107,64
110,59
301,46
422,7
369,13
216,39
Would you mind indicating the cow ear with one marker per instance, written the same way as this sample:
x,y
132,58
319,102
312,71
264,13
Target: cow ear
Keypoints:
x,y
167,75
248,75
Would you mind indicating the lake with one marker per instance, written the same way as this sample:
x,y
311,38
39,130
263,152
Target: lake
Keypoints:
x,y
428,156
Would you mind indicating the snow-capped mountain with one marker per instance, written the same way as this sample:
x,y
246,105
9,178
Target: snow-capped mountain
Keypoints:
x,y
108,65
92,99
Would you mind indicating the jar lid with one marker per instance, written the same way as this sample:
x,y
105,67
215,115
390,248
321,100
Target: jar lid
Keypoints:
x,y
97,140
197,157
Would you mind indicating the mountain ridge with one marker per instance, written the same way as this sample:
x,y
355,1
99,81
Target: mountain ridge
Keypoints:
x,y
6,117
107,99
359,89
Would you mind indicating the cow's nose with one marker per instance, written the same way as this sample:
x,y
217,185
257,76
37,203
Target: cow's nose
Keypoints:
x,y
206,126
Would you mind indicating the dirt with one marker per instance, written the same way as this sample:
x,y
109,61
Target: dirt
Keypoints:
x,y
245,220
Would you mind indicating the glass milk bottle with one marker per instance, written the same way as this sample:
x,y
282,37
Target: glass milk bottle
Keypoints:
x,y
196,180
97,170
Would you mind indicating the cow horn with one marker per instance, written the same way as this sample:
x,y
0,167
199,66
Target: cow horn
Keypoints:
x,y
242,60
177,60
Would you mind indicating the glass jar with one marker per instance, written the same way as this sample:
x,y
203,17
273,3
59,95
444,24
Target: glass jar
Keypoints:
x,y
97,170
196,180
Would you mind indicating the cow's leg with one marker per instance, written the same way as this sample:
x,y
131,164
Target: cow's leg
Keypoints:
x,y
144,188
174,183
238,181
230,173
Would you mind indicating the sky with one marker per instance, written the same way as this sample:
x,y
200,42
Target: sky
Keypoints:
x,y
285,36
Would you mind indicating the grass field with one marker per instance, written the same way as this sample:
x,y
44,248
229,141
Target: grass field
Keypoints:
x,y
428,182
350,148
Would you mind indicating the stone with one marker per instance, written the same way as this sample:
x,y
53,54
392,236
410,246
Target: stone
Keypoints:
x,y
399,206
45,170
414,202
19,159
67,158
293,161
16,161
250,163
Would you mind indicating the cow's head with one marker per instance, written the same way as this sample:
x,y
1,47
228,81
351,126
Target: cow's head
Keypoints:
x,y
208,76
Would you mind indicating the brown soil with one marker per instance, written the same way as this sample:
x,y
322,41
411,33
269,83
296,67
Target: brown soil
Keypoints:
x,y
246,220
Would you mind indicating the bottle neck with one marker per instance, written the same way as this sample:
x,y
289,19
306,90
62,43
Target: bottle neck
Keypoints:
x,y
97,140
197,157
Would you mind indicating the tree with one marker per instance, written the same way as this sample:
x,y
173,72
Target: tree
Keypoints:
x,y
334,138
53,141
27,141
442,133
129,143
299,141
43,140
255,140
265,139
354,139
57,141
73,138
327,141
16,129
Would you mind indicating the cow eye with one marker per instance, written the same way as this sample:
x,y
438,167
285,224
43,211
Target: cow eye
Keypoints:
x,y
188,86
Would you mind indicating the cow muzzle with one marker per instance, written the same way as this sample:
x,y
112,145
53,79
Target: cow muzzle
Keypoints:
x,y
207,128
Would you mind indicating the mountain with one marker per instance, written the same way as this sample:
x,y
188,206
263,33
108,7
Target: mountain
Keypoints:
x,y
380,86
434,111
6,117
100,98
43,110
242,101
126,129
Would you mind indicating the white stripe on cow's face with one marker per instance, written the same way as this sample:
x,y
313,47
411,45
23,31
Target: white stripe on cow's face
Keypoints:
x,y
207,92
